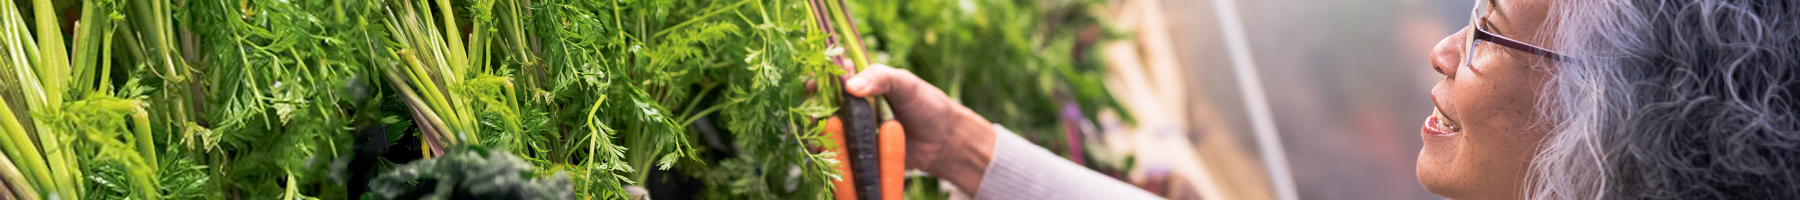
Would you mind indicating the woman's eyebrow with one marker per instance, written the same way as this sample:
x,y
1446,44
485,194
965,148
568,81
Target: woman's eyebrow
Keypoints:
x,y
1490,26
1493,9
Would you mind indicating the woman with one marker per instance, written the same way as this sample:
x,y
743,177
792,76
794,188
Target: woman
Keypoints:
x,y
1541,99
1649,99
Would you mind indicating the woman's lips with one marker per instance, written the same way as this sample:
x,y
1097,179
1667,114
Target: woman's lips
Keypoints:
x,y
1439,119
1431,128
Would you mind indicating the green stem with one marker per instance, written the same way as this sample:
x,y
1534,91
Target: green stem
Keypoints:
x,y
54,62
700,18
93,22
106,63
18,142
847,33
144,179
52,68
24,55
715,108
644,155
19,186
512,122
479,39
516,34
18,145
435,98
696,100
458,62
140,120
428,120
427,108
144,175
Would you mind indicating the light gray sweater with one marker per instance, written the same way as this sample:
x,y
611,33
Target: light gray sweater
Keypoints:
x,y
1022,170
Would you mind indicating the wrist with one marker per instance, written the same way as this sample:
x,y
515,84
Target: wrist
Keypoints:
x,y
964,161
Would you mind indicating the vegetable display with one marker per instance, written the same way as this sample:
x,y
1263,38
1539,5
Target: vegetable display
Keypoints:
x,y
1017,63
403,99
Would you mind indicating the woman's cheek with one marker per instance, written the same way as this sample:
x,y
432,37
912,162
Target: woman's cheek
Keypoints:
x,y
1501,133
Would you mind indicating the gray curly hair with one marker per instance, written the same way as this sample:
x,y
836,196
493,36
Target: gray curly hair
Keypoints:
x,y
1688,99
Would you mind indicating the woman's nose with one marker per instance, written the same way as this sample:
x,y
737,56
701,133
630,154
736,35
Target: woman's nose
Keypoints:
x,y
1447,55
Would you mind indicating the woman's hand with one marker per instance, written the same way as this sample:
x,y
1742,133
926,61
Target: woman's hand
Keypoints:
x,y
942,137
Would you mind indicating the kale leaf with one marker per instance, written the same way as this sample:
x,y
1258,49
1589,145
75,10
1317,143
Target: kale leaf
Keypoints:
x,y
470,173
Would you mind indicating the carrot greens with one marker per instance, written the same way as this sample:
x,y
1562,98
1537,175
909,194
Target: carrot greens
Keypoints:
x,y
287,99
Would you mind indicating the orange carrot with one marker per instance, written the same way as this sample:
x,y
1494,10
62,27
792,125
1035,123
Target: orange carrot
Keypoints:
x,y
893,160
845,188
892,141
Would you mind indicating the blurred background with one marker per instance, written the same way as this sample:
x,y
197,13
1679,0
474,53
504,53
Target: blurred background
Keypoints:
x,y
1346,84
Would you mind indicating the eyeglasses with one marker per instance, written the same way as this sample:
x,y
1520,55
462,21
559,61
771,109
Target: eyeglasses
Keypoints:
x,y
1480,34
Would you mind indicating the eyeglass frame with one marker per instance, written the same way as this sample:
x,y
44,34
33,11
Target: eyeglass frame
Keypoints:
x,y
1479,34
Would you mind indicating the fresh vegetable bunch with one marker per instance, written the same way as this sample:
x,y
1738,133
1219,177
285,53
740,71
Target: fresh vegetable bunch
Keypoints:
x,y
284,99
261,99
674,76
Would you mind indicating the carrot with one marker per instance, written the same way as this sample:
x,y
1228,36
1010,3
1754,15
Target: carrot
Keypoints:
x,y
845,189
893,154
863,140
893,160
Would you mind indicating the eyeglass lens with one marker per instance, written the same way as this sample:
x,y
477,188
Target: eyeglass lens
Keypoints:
x,y
1469,41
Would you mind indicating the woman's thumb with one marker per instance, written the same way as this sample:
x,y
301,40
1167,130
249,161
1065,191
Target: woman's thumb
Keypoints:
x,y
882,80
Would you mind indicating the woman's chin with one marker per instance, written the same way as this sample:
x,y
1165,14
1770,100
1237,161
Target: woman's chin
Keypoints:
x,y
1435,174
1436,167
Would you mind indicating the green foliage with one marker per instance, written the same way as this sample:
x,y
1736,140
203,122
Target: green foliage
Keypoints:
x,y
252,99
271,76
660,65
110,143
1014,62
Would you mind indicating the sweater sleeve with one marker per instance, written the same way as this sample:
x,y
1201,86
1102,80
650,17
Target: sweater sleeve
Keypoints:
x,y
1022,170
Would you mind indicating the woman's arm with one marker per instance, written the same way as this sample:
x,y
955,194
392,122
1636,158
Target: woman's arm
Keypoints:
x,y
1022,170
953,143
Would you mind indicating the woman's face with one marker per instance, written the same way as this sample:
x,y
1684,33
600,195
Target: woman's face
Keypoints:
x,y
1492,106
